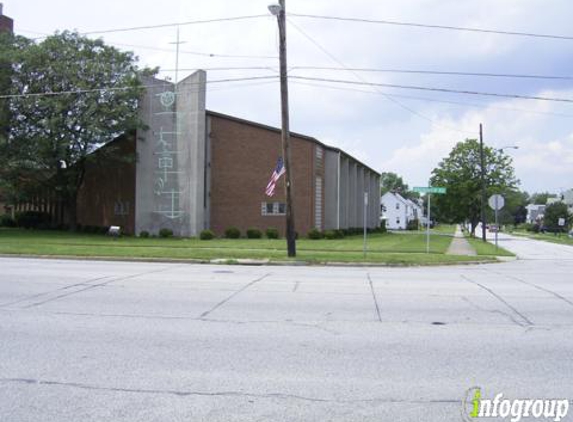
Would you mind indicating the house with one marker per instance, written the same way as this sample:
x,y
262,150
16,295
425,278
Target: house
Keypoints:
x,y
534,213
198,169
396,210
417,212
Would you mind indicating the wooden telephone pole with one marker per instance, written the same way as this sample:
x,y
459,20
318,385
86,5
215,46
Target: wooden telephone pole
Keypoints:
x,y
290,230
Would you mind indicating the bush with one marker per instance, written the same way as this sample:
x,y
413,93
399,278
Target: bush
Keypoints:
x,y
314,234
329,234
232,233
272,233
207,235
144,234
7,221
413,225
254,233
165,233
33,219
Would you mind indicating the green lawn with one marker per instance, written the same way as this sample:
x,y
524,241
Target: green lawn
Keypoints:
x,y
487,248
401,249
561,239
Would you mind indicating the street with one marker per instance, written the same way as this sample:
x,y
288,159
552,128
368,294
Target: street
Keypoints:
x,y
118,341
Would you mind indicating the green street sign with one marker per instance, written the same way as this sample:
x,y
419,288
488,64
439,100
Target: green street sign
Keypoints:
x,y
429,189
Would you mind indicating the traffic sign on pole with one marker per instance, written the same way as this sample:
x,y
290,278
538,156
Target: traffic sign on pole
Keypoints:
x,y
496,202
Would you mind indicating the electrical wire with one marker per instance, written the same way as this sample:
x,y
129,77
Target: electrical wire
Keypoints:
x,y
168,25
433,100
87,91
430,26
435,72
387,96
422,88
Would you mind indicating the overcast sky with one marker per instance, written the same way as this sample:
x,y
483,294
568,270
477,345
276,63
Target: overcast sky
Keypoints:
x,y
401,130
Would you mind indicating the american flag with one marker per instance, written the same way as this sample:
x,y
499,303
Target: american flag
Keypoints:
x,y
279,171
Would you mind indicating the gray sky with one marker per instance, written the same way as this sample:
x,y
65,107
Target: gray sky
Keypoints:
x,y
407,133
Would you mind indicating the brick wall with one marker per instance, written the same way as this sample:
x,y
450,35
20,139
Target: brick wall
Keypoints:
x,y
107,196
243,156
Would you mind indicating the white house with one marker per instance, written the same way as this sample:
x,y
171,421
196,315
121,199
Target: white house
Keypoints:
x,y
398,211
534,213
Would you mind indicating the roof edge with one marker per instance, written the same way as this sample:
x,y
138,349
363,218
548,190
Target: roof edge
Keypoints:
x,y
298,135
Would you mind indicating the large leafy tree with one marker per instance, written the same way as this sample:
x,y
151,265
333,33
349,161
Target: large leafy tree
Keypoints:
x,y
553,213
460,174
392,182
71,95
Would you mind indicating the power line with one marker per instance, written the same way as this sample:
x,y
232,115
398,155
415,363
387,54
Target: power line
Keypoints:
x,y
94,90
433,100
387,96
167,25
378,70
195,53
422,88
435,72
430,26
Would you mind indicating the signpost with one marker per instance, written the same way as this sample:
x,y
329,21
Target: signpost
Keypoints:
x,y
429,190
365,220
496,202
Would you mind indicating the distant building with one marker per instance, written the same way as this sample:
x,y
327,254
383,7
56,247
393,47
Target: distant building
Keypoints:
x,y
6,23
534,213
398,211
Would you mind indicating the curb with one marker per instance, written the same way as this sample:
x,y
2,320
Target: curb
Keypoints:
x,y
254,262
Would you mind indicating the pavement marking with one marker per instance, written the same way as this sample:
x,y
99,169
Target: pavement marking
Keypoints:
x,y
374,297
501,299
245,287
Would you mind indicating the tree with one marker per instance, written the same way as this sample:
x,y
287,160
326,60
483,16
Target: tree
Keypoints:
x,y
460,174
72,95
391,182
541,198
553,213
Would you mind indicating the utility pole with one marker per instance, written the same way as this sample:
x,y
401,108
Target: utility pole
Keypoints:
x,y
482,177
280,12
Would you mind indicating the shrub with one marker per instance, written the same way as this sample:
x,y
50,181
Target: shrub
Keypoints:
x,y
165,233
232,233
207,235
254,233
33,219
383,228
329,234
144,234
272,233
7,221
314,234
413,225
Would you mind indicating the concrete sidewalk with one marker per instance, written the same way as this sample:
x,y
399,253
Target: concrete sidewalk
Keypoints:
x,y
460,245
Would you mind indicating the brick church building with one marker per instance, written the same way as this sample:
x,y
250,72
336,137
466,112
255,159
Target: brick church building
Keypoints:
x,y
197,169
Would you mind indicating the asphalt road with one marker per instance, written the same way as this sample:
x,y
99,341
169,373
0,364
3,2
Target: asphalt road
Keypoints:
x,y
100,341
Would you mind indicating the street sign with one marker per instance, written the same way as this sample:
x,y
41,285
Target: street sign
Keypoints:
x,y
561,222
429,189
496,202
